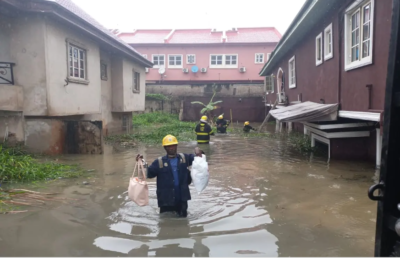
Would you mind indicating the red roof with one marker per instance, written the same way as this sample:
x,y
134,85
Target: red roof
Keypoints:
x,y
202,36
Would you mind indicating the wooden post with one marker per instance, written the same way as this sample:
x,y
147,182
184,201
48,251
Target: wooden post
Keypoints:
x,y
268,116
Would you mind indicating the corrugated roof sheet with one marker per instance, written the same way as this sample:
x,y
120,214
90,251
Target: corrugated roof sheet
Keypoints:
x,y
202,36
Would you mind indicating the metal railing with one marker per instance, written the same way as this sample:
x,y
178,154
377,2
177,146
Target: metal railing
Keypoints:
x,y
6,73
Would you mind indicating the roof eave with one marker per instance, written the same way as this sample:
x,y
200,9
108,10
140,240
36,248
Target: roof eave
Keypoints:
x,y
51,8
309,15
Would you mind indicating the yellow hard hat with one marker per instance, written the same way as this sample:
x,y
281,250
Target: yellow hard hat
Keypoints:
x,y
203,118
169,140
220,117
246,123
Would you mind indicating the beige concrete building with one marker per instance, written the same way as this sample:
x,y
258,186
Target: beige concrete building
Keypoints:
x,y
65,81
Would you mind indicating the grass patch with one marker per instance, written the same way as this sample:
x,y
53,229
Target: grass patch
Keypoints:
x,y
156,96
151,128
18,166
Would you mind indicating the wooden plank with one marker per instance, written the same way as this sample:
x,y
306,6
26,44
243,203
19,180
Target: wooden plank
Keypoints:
x,y
268,116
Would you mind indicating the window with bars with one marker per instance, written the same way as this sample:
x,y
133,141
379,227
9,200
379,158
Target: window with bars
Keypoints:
x,y
77,63
190,59
292,73
358,33
174,61
259,58
158,61
136,82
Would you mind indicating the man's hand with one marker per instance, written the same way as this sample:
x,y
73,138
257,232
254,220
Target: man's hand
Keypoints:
x,y
139,156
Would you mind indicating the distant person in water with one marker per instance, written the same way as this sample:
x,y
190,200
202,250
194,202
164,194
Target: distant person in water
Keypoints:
x,y
247,127
221,124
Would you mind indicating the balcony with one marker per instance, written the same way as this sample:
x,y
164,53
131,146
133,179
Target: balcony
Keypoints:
x,y
11,96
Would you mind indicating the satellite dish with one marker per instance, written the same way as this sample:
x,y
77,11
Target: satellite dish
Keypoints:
x,y
195,69
161,70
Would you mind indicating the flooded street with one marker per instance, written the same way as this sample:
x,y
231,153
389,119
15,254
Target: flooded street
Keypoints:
x,y
263,199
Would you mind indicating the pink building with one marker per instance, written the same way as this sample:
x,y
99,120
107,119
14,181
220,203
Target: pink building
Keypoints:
x,y
218,55
187,61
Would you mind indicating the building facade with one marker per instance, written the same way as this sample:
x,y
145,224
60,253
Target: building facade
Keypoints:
x,y
335,53
188,62
65,80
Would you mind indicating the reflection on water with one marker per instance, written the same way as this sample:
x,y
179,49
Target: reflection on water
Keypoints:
x,y
262,200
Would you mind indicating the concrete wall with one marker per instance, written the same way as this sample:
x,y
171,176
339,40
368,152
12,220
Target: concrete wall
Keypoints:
x,y
172,107
246,58
225,90
133,101
27,48
45,135
13,122
11,98
73,99
5,34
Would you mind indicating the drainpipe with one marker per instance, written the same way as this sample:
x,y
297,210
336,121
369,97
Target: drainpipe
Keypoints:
x,y
341,27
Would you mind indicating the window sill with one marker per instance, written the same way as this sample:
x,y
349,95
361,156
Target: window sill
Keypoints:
x,y
259,63
175,67
319,63
223,67
292,86
78,81
327,57
357,65
136,91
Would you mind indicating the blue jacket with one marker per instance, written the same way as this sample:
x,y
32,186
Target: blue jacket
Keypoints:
x,y
161,168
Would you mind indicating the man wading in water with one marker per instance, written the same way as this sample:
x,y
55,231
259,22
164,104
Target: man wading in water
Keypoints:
x,y
173,177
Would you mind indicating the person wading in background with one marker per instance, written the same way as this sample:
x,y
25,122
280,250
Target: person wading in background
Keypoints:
x,y
221,124
247,127
173,177
203,131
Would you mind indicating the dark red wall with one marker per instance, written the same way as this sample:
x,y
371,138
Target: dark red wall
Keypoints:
x,y
243,109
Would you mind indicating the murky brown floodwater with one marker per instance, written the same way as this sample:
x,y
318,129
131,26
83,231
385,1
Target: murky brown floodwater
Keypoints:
x,y
263,199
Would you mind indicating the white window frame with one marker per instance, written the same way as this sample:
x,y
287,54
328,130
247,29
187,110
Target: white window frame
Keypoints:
x,y
175,66
268,57
328,42
292,74
358,5
80,47
135,81
187,58
271,83
318,50
257,55
224,59
158,55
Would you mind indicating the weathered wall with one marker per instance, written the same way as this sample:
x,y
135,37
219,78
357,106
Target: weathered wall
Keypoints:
x,y
73,99
172,107
13,122
133,101
27,45
45,135
11,98
5,35
225,90
243,109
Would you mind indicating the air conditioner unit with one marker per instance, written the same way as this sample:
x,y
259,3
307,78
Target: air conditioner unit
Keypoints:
x,y
147,69
203,70
242,69
185,70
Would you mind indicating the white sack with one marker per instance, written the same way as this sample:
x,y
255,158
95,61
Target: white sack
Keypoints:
x,y
200,173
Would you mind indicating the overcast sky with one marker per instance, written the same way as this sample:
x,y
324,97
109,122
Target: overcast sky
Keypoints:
x,y
127,15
